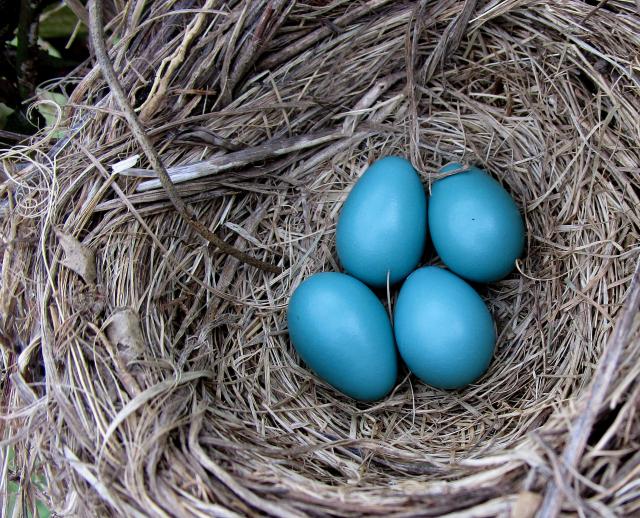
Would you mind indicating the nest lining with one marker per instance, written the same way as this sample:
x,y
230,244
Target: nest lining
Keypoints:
x,y
201,405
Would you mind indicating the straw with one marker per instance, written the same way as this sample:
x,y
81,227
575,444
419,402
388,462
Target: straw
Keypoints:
x,y
167,385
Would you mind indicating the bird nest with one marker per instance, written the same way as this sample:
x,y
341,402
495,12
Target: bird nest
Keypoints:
x,y
147,366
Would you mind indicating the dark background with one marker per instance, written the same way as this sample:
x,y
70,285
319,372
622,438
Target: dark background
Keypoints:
x,y
40,41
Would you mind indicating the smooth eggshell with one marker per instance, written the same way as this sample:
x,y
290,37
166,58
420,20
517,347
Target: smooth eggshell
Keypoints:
x,y
383,224
444,331
475,225
343,333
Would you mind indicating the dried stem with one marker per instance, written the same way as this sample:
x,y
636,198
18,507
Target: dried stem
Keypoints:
x,y
592,404
243,157
205,408
95,27
304,43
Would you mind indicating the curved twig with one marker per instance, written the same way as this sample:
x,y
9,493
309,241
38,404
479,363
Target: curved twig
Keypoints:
x,y
593,403
97,37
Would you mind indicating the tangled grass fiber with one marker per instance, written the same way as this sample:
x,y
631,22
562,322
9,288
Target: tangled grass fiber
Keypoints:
x,y
147,371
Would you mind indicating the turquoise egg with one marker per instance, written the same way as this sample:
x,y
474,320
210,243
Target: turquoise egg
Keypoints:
x,y
343,333
444,331
475,225
383,224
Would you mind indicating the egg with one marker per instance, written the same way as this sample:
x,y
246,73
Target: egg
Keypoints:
x,y
341,331
475,225
444,331
383,224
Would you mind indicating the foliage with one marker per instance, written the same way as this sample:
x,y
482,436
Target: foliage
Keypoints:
x,y
59,47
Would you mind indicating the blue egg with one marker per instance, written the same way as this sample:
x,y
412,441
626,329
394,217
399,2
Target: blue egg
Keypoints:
x,y
383,224
444,331
475,225
343,333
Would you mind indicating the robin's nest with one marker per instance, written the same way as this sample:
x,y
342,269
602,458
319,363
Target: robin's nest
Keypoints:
x,y
147,365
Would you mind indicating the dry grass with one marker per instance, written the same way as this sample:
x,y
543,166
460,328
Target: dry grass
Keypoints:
x,y
205,408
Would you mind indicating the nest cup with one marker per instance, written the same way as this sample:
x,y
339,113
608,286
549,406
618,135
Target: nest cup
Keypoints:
x,y
152,374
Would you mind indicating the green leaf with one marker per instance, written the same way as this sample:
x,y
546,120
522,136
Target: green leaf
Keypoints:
x,y
5,111
48,109
12,489
59,22
50,49
41,510
43,44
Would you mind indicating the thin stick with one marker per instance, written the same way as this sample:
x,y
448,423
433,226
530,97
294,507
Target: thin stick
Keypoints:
x,y
367,100
593,11
243,157
10,135
79,10
593,402
304,43
95,28
170,64
449,41
254,46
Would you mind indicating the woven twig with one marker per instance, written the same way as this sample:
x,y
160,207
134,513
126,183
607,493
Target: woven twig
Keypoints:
x,y
264,115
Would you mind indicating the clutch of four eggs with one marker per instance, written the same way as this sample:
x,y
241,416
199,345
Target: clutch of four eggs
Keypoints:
x,y
442,329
